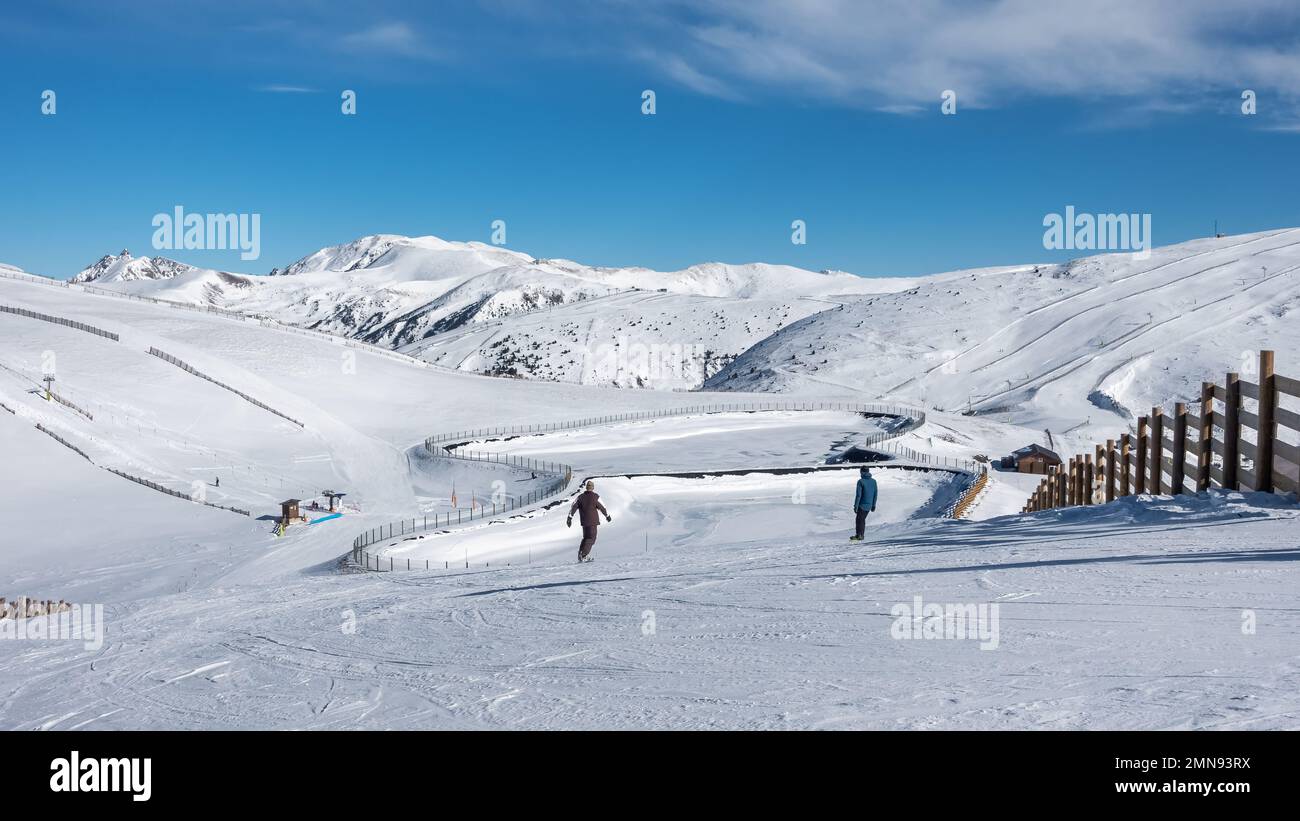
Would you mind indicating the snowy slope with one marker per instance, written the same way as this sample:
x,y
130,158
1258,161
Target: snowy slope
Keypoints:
x,y
715,601
629,339
1095,341
360,411
1115,621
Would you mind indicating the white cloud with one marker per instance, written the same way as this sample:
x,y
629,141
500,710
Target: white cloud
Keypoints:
x,y
893,54
681,71
395,39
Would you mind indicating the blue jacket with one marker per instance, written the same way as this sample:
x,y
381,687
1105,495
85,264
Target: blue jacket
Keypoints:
x,y
865,497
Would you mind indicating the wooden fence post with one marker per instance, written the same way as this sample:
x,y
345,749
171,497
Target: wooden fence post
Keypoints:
x,y
1231,429
1140,467
1204,437
1052,475
1100,478
1157,451
1083,479
1069,482
1126,457
1267,429
1089,479
1179,456
1110,470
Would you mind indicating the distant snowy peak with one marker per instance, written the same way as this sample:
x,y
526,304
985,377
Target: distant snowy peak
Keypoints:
x,y
409,257
360,253
125,268
429,258
761,280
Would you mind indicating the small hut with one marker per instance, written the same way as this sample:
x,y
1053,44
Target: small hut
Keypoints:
x,y
289,510
1031,459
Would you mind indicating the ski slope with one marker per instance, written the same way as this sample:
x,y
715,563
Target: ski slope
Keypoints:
x,y
726,596
1096,342
1134,626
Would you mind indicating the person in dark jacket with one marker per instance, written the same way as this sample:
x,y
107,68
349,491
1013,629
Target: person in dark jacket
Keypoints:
x,y
864,501
587,504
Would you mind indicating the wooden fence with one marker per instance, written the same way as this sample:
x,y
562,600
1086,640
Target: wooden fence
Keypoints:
x,y
40,280
164,489
58,320
63,441
969,495
152,485
166,357
1232,441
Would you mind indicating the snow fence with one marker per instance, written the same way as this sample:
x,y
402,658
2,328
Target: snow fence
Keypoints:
x,y
448,446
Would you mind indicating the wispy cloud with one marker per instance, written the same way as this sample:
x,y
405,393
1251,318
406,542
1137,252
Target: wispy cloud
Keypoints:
x,y
683,72
893,55
394,39
283,89
1291,127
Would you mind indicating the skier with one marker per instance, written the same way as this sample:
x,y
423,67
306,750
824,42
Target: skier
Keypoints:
x,y
864,501
587,504
218,481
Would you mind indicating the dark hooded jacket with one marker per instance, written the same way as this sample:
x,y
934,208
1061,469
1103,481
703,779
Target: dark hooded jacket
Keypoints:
x,y
864,497
587,504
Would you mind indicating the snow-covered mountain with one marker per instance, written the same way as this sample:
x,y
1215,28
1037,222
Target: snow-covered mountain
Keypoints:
x,y
408,292
1097,340
117,268
628,338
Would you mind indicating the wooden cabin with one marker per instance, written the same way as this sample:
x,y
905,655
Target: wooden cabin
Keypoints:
x,y
1031,459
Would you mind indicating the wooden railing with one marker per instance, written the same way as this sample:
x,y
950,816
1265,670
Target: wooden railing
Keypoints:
x,y
969,495
1154,459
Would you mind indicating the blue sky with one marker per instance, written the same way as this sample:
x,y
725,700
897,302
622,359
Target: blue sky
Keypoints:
x,y
530,112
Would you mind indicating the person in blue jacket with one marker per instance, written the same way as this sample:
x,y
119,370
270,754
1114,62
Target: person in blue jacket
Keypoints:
x,y
864,501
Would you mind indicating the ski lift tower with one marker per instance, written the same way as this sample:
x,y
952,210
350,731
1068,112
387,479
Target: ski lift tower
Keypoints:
x,y
332,495
48,380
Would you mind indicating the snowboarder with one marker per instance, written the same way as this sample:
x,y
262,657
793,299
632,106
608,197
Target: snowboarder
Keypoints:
x,y
864,502
587,504
218,481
